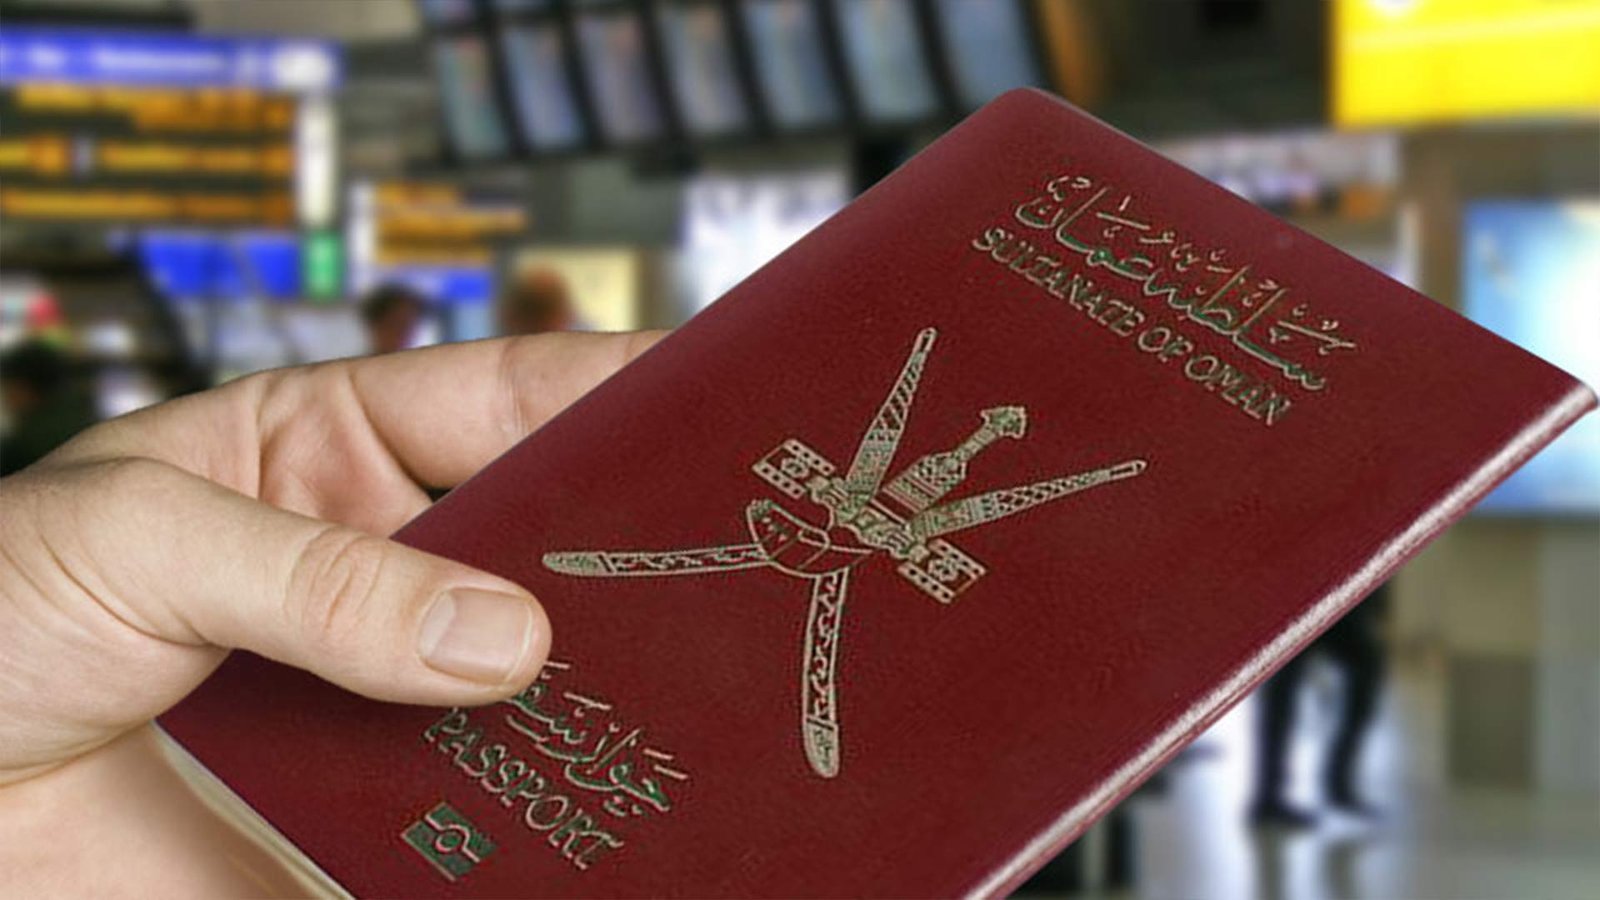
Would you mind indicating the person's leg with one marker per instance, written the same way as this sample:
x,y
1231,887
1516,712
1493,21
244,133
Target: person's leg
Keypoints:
x,y
1121,848
1274,722
1355,647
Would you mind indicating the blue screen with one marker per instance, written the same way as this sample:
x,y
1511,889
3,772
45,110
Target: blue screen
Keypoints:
x,y
614,55
791,65
539,84
466,95
274,263
205,265
700,68
1531,273
884,54
989,46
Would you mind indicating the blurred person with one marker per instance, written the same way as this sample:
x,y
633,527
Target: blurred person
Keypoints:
x,y
537,301
43,402
392,314
1354,644
248,516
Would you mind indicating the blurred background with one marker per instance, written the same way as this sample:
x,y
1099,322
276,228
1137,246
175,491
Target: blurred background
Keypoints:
x,y
191,190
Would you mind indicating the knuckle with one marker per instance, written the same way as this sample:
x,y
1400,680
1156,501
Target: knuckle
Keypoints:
x,y
334,583
518,380
273,393
253,386
130,477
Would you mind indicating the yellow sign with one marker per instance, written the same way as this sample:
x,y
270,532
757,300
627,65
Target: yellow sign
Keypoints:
x,y
46,155
159,109
421,223
142,205
52,155
1405,61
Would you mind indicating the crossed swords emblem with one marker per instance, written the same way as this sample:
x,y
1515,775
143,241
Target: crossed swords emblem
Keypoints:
x,y
904,520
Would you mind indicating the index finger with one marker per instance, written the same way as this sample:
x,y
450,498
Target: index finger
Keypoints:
x,y
374,426
444,412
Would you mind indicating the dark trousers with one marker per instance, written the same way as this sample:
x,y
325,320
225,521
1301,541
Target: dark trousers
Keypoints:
x,y
1354,644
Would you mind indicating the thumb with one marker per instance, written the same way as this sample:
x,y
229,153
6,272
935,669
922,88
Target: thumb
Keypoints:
x,y
189,561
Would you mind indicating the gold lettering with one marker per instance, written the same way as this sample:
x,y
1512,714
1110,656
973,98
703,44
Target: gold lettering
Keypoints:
x,y
1226,377
1179,346
580,826
1113,309
990,238
507,774
1041,264
1246,396
540,823
1201,367
1273,408
488,758
531,786
1027,256
1002,252
453,722
1218,308
460,743
1083,295
1154,339
1057,284
1129,321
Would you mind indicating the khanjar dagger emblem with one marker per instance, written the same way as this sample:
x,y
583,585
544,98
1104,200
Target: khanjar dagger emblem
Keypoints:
x,y
904,520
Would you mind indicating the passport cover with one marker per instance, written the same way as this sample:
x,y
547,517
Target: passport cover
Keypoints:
x,y
895,568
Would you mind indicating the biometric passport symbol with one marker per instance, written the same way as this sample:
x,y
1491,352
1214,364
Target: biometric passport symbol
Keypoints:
x,y
903,519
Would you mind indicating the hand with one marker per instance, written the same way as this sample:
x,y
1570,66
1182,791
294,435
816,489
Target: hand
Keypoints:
x,y
247,516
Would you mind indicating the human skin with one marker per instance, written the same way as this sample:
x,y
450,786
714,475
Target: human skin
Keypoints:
x,y
249,516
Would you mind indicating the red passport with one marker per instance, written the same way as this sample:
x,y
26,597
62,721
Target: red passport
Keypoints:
x,y
903,562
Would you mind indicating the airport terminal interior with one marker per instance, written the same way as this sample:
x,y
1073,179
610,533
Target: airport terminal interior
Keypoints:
x,y
193,190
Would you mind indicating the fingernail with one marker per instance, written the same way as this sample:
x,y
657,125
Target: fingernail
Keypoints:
x,y
480,635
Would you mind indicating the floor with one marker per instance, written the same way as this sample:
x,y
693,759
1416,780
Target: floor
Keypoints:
x,y
1432,840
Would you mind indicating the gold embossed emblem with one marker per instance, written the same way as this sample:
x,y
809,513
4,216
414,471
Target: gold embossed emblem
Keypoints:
x,y
904,520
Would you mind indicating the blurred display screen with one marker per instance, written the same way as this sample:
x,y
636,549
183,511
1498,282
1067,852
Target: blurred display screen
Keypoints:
x,y
165,59
699,58
732,225
222,266
429,236
546,106
163,128
790,63
886,60
989,46
1531,273
190,265
447,12
272,264
613,52
94,152
1400,61
466,95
